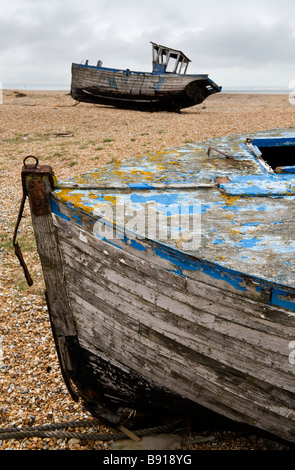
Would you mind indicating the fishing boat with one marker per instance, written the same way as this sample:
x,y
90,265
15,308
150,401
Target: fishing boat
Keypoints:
x,y
170,280
167,88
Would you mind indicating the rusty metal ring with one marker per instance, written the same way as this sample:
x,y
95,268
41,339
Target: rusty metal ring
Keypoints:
x,y
31,156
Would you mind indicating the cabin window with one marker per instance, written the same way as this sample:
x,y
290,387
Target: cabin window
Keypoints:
x,y
277,153
175,64
169,60
170,63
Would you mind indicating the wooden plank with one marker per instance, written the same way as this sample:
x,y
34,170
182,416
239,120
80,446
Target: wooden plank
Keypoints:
x,y
122,288
134,83
219,296
160,366
60,312
176,301
199,336
52,266
113,332
161,256
207,298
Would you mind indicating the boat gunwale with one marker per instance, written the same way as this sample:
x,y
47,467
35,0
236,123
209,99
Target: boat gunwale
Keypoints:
x,y
137,72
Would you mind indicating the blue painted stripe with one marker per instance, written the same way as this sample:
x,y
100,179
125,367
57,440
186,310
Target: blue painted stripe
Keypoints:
x,y
140,186
184,263
56,211
260,185
279,299
274,142
288,169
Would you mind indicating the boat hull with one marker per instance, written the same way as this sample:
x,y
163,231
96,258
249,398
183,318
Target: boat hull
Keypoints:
x,y
145,324
143,345
142,91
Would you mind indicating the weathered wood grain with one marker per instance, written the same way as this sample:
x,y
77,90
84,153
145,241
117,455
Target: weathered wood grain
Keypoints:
x,y
52,266
259,293
171,338
60,312
212,315
145,324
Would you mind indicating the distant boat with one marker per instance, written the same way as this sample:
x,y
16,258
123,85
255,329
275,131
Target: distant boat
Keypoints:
x,y
170,280
167,87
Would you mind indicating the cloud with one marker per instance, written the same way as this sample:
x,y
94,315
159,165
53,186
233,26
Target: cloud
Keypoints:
x,y
39,40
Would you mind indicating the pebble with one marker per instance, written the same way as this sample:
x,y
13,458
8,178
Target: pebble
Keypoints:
x,y
32,389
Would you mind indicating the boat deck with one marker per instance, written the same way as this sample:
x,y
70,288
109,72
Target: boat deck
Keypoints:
x,y
232,212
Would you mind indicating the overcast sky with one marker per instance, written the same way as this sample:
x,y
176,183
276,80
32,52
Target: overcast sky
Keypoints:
x,y
236,44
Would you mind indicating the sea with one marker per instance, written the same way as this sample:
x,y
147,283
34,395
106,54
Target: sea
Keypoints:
x,y
225,89
266,90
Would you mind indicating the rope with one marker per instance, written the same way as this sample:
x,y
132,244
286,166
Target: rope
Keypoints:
x,y
66,424
47,432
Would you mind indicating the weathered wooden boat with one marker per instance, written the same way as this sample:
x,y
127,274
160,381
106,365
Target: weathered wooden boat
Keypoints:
x,y
158,90
170,280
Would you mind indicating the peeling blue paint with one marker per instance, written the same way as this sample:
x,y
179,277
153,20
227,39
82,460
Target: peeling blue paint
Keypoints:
x,y
218,241
140,186
288,169
56,211
137,245
246,223
112,83
111,242
260,185
274,142
279,299
77,219
158,85
205,207
251,224
182,264
162,198
231,207
249,242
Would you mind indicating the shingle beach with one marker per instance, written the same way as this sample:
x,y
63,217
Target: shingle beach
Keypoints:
x,y
74,138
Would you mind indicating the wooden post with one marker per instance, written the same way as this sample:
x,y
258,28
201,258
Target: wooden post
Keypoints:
x,y
38,182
